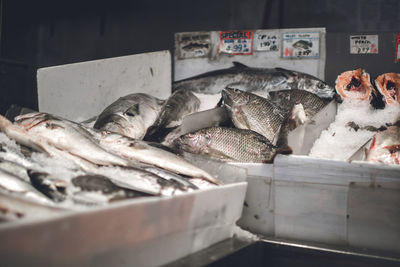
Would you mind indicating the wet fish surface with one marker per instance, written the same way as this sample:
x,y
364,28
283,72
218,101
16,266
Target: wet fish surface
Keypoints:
x,y
355,84
253,112
255,79
385,146
181,103
130,115
230,144
388,85
286,99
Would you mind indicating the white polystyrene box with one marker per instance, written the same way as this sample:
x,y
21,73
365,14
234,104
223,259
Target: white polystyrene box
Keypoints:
x,y
82,90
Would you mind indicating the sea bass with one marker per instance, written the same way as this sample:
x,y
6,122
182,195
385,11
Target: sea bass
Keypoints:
x,y
355,84
388,85
230,144
286,99
385,146
130,115
255,79
67,136
252,112
181,103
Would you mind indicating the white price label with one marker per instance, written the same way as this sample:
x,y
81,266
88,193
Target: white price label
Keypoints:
x,y
266,41
364,44
193,45
300,45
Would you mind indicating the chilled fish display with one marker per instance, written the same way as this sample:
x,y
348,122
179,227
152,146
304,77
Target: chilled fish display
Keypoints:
x,y
388,85
230,144
130,115
255,80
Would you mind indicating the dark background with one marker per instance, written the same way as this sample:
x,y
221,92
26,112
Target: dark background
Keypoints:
x,y
35,34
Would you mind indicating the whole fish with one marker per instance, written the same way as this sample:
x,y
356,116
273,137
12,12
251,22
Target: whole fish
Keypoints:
x,y
14,168
388,85
67,136
385,146
141,151
16,185
230,144
181,103
130,115
255,79
285,99
253,112
354,84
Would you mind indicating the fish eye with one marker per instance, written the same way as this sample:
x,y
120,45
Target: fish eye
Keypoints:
x,y
320,85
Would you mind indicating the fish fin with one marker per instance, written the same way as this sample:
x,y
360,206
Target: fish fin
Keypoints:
x,y
238,65
133,110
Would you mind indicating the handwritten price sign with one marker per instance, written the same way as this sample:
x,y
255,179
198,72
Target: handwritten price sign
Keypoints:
x,y
296,45
236,42
266,41
364,44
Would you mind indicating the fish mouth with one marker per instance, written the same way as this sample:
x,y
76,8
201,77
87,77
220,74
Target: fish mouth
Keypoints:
x,y
354,85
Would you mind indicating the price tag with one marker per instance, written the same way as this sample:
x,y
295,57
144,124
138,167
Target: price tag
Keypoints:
x,y
364,44
193,45
300,45
236,42
266,41
397,54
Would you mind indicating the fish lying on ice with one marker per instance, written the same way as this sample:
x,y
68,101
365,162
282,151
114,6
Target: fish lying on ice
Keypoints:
x,y
355,84
255,80
252,112
181,103
143,152
230,144
385,146
67,136
388,85
130,115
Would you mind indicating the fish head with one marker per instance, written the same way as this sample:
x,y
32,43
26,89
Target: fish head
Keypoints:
x,y
234,97
316,86
197,143
388,85
354,84
126,124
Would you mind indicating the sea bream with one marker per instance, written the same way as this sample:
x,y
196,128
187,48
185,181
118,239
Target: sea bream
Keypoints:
x,y
253,112
255,80
181,103
130,115
142,151
385,146
230,144
355,84
388,85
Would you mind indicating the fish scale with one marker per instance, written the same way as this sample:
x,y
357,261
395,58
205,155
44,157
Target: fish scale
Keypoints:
x,y
228,143
252,112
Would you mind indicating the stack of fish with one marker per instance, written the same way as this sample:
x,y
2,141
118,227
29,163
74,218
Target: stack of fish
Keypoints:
x,y
70,165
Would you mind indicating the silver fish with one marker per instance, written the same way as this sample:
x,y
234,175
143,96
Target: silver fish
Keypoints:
x,y
130,115
229,144
16,185
255,79
143,152
252,112
68,136
15,169
181,103
286,99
